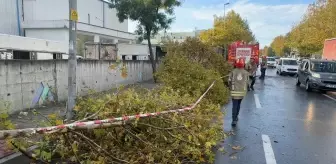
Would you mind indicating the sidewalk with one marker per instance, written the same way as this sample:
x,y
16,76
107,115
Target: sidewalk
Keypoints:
x,y
27,119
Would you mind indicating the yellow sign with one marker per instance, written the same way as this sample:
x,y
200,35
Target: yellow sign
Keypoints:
x,y
74,15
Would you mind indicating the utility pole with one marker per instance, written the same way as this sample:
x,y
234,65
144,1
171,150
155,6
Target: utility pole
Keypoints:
x,y
72,61
225,55
225,4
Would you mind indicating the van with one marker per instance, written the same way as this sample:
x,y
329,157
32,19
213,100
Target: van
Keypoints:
x,y
287,66
317,74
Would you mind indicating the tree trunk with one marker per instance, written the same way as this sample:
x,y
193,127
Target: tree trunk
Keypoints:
x,y
151,56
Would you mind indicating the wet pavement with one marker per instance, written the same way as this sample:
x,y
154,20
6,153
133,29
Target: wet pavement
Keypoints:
x,y
301,126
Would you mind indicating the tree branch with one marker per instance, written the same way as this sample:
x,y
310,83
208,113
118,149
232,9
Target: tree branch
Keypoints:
x,y
182,139
99,147
27,154
179,127
68,141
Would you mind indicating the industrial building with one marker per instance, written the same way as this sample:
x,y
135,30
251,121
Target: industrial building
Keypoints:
x,y
99,30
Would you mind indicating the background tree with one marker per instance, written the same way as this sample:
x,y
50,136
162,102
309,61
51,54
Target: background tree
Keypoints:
x,y
279,47
318,24
227,30
267,51
151,15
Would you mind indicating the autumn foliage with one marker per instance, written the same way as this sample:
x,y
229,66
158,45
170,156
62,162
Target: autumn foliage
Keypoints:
x,y
317,25
185,74
227,30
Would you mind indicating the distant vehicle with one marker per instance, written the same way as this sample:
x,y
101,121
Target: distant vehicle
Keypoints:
x,y
287,66
329,49
271,62
242,50
317,74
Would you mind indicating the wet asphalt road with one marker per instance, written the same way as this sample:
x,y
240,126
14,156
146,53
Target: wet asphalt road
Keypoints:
x,y
301,126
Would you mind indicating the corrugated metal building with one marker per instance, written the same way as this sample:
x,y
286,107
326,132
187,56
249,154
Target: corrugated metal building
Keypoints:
x,y
49,19
10,16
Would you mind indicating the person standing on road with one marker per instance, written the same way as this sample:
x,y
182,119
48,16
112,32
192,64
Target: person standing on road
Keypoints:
x,y
263,67
238,82
252,69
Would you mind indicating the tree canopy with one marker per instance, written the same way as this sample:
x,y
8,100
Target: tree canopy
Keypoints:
x,y
227,30
267,51
151,15
318,24
279,47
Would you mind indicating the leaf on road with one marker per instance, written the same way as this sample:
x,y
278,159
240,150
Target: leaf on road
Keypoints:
x,y
236,147
231,133
233,157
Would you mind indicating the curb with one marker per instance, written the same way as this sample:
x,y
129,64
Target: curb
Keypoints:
x,y
14,155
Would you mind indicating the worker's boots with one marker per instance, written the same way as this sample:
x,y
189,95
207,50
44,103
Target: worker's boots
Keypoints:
x,y
234,121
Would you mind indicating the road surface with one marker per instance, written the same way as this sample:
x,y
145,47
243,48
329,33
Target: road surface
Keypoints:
x,y
280,123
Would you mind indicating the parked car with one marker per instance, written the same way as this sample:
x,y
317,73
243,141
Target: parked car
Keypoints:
x,y
317,74
271,62
287,66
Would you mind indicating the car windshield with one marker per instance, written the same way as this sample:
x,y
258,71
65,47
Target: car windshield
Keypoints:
x,y
290,62
270,59
329,67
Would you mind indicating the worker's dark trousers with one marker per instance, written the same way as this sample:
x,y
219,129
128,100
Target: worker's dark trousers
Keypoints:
x,y
252,79
235,108
263,72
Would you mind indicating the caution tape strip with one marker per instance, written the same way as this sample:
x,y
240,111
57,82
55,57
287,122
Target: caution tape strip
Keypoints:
x,y
42,130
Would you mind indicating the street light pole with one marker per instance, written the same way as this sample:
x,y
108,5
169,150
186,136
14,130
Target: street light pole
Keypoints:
x,y
225,4
72,61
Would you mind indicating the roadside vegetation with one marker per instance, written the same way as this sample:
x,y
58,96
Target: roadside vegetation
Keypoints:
x,y
308,35
186,72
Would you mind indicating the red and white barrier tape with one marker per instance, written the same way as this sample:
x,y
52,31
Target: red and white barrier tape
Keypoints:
x,y
41,130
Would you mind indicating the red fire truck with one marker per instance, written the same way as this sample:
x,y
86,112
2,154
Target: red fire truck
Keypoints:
x,y
242,50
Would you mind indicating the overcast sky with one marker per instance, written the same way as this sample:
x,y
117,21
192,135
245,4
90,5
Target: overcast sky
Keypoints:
x,y
267,18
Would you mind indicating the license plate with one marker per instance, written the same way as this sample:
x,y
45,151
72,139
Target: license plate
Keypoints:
x,y
331,86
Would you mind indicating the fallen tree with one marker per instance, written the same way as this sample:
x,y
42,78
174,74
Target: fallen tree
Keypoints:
x,y
176,137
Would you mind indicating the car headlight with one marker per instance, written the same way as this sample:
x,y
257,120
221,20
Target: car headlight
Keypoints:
x,y
316,75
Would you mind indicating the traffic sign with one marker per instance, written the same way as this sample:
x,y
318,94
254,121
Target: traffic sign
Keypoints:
x,y
74,15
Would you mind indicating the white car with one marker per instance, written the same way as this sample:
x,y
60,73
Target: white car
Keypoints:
x,y
271,62
287,66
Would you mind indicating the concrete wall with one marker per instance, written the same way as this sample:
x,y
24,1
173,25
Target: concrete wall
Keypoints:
x,y
61,35
134,49
20,80
13,42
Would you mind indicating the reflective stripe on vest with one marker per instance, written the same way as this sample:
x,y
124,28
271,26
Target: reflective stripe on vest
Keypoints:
x,y
238,93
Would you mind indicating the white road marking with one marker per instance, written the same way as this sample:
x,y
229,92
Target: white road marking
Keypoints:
x,y
269,154
257,101
329,97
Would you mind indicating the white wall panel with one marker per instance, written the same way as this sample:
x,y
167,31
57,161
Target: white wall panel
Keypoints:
x,y
8,17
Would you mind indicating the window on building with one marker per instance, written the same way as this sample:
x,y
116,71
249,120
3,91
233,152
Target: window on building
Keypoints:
x,y
21,55
57,56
